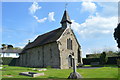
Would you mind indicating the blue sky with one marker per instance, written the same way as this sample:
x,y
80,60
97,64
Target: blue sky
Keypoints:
x,y
92,22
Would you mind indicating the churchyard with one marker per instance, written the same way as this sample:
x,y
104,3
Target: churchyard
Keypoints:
x,y
109,71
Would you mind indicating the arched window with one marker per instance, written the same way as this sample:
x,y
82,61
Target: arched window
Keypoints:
x,y
69,44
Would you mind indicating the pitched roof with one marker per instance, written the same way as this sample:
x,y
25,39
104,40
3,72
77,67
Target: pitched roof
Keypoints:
x,y
11,50
49,37
66,17
45,38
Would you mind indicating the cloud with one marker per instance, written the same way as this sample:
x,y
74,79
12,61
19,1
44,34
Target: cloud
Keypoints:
x,y
95,26
51,16
40,20
34,7
102,23
108,9
88,6
35,17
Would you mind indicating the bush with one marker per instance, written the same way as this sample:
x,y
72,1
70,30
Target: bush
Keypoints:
x,y
103,58
6,60
87,61
118,62
48,67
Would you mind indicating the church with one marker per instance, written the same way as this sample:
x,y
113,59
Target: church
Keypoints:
x,y
53,49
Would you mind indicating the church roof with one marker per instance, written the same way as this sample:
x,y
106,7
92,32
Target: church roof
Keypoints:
x,y
49,37
66,17
46,38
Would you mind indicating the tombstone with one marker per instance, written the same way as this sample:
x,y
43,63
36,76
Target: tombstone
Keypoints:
x,y
74,74
31,74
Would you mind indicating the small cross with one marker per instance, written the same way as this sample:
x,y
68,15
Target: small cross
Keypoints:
x,y
66,5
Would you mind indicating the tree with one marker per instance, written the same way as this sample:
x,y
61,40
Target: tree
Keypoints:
x,y
117,35
10,46
103,58
3,45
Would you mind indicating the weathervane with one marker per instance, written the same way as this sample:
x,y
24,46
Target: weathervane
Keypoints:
x,y
66,6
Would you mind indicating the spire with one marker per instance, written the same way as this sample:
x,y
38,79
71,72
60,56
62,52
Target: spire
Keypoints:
x,y
65,20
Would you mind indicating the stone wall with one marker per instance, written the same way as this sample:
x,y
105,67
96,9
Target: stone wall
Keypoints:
x,y
53,54
42,56
64,52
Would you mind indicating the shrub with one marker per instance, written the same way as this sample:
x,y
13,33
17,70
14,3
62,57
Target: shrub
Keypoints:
x,y
103,58
118,62
6,60
48,67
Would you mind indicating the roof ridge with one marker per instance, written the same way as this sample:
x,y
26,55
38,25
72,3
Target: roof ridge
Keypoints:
x,y
47,33
45,38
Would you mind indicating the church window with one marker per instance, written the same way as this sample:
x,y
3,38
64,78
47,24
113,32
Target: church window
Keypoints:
x,y
69,44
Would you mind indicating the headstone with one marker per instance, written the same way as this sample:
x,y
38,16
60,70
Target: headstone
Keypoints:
x,y
74,74
31,74
39,69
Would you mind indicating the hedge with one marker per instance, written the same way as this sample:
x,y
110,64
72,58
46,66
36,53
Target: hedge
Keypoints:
x,y
6,60
111,60
14,62
87,61
10,61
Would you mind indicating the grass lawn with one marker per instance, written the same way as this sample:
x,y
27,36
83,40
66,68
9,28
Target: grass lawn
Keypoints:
x,y
103,72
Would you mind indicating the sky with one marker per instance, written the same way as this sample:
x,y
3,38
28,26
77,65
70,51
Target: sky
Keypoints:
x,y
92,22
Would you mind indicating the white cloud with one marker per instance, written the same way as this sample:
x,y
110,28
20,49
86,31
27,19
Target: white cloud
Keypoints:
x,y
89,6
34,7
40,20
108,9
95,25
103,22
35,17
51,16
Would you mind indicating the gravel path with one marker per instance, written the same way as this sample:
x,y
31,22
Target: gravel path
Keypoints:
x,y
88,67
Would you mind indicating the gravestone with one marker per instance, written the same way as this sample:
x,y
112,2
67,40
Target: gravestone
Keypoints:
x,y
74,74
31,74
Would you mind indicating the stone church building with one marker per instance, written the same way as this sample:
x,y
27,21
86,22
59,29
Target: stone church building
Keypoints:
x,y
54,49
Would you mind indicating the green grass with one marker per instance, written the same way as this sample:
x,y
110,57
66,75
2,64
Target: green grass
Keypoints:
x,y
103,72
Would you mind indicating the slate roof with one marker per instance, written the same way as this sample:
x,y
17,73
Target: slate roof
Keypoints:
x,y
49,37
46,38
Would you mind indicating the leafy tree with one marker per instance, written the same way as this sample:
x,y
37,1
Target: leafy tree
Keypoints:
x,y
3,45
10,46
103,58
117,35
16,48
